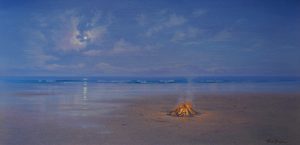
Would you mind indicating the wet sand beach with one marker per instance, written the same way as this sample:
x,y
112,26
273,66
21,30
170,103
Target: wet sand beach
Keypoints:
x,y
248,119
224,119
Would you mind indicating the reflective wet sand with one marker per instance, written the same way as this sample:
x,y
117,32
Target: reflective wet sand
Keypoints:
x,y
85,114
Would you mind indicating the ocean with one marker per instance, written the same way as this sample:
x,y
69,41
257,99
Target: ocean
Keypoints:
x,y
124,86
29,91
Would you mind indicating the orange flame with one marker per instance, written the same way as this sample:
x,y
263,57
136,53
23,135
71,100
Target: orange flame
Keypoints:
x,y
183,110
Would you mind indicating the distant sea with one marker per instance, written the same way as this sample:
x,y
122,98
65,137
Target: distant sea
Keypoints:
x,y
151,85
153,80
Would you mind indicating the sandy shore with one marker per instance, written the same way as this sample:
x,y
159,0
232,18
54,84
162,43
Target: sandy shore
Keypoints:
x,y
236,119
231,119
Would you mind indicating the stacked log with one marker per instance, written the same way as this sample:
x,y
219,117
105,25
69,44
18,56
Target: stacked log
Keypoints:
x,y
183,110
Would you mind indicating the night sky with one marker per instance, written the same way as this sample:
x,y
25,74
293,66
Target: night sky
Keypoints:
x,y
149,37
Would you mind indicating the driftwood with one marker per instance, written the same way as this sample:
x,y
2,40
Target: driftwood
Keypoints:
x,y
183,110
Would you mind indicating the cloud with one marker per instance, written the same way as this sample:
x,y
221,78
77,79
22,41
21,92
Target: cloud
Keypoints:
x,y
141,19
122,46
60,67
40,59
189,33
63,31
173,20
71,30
166,69
178,36
223,35
35,52
96,18
54,37
231,32
183,69
95,35
93,52
70,40
199,12
119,47
201,36
108,68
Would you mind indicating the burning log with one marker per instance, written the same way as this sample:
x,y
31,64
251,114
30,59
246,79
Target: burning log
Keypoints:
x,y
183,110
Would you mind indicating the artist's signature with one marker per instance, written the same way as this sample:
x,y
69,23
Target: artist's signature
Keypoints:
x,y
275,141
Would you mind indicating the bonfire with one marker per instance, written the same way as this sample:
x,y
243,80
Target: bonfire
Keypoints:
x,y
183,110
